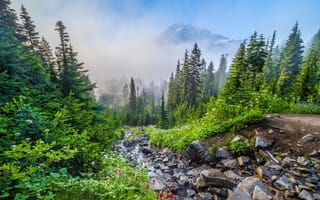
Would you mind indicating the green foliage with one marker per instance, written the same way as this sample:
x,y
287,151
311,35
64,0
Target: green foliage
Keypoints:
x,y
238,147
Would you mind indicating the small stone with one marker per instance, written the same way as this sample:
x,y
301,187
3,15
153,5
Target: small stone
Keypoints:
x,y
260,142
260,194
248,185
308,138
236,138
231,174
303,161
223,153
281,131
289,193
242,160
239,195
283,183
259,171
316,196
305,195
273,178
231,164
204,196
270,131
201,183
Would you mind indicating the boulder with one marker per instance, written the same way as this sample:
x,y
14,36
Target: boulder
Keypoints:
x,y
197,153
214,177
283,183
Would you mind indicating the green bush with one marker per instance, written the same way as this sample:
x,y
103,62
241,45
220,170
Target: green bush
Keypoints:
x,y
238,147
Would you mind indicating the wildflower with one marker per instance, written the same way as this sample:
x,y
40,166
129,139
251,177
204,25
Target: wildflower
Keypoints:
x,y
41,142
147,186
153,180
169,196
13,146
104,175
93,163
160,195
18,134
28,139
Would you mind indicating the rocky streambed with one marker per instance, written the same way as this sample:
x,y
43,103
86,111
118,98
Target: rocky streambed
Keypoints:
x,y
262,174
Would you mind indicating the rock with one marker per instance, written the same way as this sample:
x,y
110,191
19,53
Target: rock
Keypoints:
x,y
163,167
305,195
231,174
260,173
221,152
231,164
201,183
197,153
204,196
260,194
283,183
316,196
221,192
236,138
214,177
242,160
248,185
261,143
270,131
289,193
303,161
239,195
196,171
308,138
287,161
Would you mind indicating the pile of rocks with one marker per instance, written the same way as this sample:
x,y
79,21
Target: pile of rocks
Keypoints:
x,y
197,175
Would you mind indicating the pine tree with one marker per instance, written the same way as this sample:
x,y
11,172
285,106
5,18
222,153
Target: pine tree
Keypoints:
x,y
132,97
307,84
195,67
46,55
163,114
290,61
268,69
30,37
255,60
171,102
237,75
8,17
186,79
208,83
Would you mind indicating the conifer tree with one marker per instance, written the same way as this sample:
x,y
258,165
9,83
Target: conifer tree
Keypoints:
x,y
195,67
30,37
132,96
46,55
171,92
237,74
208,83
290,61
268,69
307,84
163,114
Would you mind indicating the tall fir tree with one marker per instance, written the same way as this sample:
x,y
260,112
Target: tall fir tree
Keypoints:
x,y
30,37
307,84
195,67
48,60
290,61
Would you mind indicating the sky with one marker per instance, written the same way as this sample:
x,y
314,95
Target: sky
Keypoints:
x,y
116,38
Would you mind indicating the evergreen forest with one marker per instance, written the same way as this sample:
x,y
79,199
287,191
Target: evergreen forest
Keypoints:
x,y
57,138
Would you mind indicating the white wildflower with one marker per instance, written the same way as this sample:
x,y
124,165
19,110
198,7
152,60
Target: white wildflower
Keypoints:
x,y
28,139
18,134
29,121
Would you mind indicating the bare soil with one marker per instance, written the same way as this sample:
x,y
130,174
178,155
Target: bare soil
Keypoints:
x,y
285,131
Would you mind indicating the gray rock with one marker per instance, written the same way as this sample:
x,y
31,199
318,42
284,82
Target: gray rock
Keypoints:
x,y
283,183
260,194
303,161
197,153
316,196
308,138
214,177
287,161
261,143
236,138
204,196
239,195
231,164
248,185
196,171
231,174
305,195
223,153
243,160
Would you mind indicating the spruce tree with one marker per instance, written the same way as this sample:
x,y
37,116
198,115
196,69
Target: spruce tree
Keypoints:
x,y
290,61
30,37
195,67
269,68
132,97
208,83
48,60
307,84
